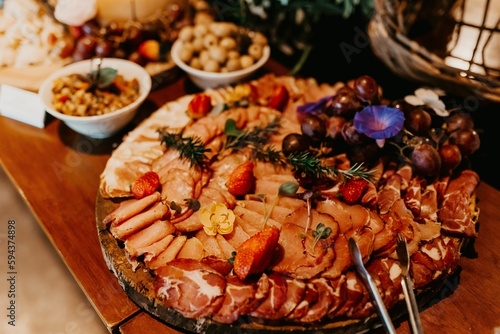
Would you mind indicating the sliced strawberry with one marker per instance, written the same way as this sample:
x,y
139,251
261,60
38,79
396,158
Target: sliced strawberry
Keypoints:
x,y
241,181
255,254
279,98
145,185
353,190
199,106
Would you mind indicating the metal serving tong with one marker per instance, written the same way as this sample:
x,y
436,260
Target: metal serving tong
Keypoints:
x,y
372,287
411,301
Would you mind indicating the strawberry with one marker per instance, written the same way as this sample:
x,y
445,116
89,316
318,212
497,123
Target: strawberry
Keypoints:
x,y
145,185
255,254
241,181
199,106
353,190
279,98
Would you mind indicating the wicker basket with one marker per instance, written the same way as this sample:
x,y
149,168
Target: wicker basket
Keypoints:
x,y
450,44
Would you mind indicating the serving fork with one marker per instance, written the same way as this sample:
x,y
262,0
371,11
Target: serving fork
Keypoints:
x,y
406,282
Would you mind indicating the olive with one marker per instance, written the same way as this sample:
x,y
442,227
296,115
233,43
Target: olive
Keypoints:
x,y
313,127
294,143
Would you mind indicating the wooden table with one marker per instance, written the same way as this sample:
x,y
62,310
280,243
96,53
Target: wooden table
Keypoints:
x,y
57,173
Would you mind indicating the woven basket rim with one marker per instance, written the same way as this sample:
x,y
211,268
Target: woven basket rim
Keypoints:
x,y
408,58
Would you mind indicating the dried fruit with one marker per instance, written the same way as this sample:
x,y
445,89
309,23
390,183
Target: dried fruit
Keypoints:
x,y
241,181
255,254
279,98
199,106
353,190
145,185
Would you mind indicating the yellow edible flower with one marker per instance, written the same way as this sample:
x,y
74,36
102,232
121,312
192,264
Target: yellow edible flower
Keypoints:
x,y
217,218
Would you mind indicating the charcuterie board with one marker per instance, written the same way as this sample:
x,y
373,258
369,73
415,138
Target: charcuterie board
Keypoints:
x,y
190,276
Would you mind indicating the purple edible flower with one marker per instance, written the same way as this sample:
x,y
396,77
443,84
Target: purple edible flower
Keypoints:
x,y
313,107
379,122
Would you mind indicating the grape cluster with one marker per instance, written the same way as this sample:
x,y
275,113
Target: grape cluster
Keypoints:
x,y
124,39
431,144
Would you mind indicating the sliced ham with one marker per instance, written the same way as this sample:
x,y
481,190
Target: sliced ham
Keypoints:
x,y
310,297
390,193
456,214
342,259
151,251
210,245
295,290
326,296
275,298
168,254
130,208
192,249
429,203
413,196
156,231
239,299
193,288
138,222
302,257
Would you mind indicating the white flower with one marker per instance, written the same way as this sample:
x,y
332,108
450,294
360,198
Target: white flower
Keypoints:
x,y
217,218
75,12
429,98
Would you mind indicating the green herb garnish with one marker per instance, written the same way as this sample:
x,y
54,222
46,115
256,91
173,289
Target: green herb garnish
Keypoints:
x,y
321,232
310,164
193,204
256,139
288,189
103,77
175,207
190,148
231,259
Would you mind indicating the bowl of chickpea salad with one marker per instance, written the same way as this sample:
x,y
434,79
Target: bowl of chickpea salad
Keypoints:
x,y
96,97
217,54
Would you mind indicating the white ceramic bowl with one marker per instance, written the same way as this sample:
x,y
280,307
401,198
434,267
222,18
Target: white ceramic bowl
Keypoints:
x,y
100,126
205,80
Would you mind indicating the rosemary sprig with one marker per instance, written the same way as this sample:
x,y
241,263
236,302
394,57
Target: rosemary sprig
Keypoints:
x,y
310,164
256,139
190,148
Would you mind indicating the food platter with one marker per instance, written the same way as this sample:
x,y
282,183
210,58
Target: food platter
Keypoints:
x,y
303,257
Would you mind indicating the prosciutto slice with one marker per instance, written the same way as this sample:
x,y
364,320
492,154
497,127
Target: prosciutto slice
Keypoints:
x,y
195,289
456,214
